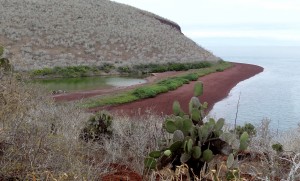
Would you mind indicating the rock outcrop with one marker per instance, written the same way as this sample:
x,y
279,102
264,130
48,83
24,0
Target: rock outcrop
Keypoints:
x,y
44,33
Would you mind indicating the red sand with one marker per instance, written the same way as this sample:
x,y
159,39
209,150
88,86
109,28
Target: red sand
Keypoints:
x,y
216,87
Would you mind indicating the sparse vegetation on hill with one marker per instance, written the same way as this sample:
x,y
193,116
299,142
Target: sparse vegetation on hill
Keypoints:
x,y
39,34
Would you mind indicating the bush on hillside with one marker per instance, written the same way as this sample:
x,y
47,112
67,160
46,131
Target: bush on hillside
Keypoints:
x,y
248,127
98,126
38,138
4,62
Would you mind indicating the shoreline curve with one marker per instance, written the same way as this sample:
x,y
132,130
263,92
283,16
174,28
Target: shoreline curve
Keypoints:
x,y
216,87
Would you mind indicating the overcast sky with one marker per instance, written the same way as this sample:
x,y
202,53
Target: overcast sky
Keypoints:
x,y
231,22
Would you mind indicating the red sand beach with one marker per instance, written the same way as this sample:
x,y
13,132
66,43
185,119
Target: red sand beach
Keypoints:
x,y
216,87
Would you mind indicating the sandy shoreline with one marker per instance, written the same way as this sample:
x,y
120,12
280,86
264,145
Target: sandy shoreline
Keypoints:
x,y
216,87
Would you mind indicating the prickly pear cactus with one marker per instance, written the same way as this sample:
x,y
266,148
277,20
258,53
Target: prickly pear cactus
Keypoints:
x,y
4,62
193,141
98,125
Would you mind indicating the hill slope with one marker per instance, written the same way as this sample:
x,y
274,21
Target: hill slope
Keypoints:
x,y
43,33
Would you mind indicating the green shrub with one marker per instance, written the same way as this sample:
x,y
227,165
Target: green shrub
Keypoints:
x,y
144,92
248,127
158,69
75,71
173,83
171,66
125,69
107,67
149,91
1,50
191,77
42,72
151,68
160,87
277,147
118,99
97,126
177,67
4,62
71,71
201,65
219,70
83,71
5,65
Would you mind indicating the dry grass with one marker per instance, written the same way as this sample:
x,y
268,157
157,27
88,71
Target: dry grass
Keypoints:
x,y
267,164
133,139
40,139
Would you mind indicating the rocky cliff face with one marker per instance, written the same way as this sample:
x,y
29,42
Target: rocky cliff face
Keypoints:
x,y
44,33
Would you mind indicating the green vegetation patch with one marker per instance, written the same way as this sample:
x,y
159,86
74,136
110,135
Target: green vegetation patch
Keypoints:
x,y
83,71
174,82
157,68
1,50
191,77
124,97
148,91
4,62
71,71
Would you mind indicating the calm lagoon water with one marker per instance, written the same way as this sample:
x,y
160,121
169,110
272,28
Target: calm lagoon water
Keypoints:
x,y
273,94
89,83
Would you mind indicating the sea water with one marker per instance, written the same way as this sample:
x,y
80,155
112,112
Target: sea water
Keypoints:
x,y
273,94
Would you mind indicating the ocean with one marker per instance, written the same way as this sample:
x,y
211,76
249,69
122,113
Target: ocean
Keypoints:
x,y
273,94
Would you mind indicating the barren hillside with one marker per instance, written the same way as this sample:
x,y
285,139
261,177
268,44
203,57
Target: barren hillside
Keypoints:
x,y
48,33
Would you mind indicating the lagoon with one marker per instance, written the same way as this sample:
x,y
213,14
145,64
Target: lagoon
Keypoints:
x,y
88,83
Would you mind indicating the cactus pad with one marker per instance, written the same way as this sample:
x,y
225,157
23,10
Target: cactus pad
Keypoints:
x,y
150,163
176,146
196,152
176,108
185,157
244,141
207,155
168,153
155,154
178,136
170,126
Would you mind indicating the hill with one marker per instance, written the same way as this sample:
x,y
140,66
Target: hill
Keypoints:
x,y
42,33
